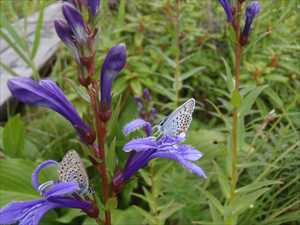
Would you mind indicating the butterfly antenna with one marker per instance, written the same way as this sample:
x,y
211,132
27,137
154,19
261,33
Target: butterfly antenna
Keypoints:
x,y
45,185
157,130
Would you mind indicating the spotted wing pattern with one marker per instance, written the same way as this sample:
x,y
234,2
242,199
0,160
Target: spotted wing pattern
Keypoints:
x,y
178,121
71,169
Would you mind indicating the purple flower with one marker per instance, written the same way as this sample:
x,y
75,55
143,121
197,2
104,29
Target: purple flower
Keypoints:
x,y
137,124
114,62
153,113
147,95
228,10
93,6
54,195
252,11
47,94
145,106
139,103
145,149
66,34
76,22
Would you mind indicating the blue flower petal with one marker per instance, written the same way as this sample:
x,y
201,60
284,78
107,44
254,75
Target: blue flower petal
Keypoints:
x,y
135,125
176,157
47,94
36,172
35,214
141,144
76,22
114,62
12,212
68,202
61,189
93,5
189,153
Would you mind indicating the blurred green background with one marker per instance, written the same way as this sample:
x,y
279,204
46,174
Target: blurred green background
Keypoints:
x,y
195,45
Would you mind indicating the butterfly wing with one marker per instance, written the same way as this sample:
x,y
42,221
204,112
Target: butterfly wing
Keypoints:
x,y
71,169
179,121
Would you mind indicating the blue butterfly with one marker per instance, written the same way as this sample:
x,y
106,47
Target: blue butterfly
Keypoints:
x,y
178,121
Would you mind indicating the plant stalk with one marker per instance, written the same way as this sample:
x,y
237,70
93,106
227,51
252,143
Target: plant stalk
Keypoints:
x,y
177,57
237,71
232,218
100,151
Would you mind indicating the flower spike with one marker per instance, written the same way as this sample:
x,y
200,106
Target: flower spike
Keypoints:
x,y
228,10
113,64
75,21
252,11
93,6
66,34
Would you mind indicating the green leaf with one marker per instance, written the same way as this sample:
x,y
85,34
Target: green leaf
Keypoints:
x,y
70,215
256,185
121,13
136,87
13,34
249,100
1,138
151,219
90,221
30,149
274,97
129,215
169,61
112,203
229,78
245,201
111,156
223,181
15,176
13,137
146,176
121,217
169,210
37,33
215,214
79,90
235,99
191,73
213,200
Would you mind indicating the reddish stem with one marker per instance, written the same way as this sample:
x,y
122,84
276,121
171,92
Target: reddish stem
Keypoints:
x,y
100,149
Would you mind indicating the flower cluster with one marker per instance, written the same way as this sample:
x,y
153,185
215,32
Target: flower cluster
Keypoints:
x,y
72,186
79,35
252,11
142,150
72,31
54,194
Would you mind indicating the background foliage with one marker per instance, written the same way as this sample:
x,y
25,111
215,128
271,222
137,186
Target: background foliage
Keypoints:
x,y
164,193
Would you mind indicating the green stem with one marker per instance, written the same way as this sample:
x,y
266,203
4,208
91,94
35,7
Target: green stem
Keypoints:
x,y
238,54
154,192
235,117
177,57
